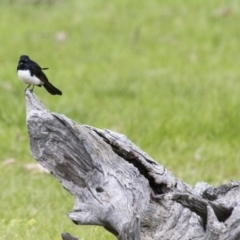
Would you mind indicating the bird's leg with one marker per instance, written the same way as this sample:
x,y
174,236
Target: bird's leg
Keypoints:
x,y
27,87
32,88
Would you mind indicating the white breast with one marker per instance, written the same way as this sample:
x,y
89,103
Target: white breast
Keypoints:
x,y
26,77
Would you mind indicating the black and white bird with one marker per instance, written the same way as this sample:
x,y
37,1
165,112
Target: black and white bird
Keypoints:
x,y
31,73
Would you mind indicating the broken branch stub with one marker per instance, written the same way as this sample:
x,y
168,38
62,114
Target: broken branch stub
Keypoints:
x,y
118,186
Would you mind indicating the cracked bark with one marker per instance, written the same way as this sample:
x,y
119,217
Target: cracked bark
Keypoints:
x,y
118,186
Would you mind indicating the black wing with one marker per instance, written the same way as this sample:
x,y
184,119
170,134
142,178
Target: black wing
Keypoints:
x,y
35,64
36,70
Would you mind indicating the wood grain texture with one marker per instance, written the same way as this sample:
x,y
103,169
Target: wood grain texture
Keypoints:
x,y
118,186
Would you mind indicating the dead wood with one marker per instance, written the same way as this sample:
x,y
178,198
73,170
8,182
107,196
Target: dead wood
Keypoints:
x,y
118,186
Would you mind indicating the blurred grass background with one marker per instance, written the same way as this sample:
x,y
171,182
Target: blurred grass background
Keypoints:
x,y
164,73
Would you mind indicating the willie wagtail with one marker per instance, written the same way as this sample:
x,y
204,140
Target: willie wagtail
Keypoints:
x,y
31,73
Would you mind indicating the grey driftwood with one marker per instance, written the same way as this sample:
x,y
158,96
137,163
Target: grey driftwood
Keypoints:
x,y
118,186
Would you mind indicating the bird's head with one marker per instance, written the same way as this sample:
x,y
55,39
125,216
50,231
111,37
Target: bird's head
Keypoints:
x,y
22,61
24,58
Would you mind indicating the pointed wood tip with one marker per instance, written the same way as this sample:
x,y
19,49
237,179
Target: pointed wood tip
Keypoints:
x,y
33,103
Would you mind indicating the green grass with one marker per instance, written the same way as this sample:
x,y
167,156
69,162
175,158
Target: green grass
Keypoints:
x,y
164,73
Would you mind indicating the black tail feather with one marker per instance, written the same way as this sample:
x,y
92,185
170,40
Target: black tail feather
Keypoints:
x,y
51,89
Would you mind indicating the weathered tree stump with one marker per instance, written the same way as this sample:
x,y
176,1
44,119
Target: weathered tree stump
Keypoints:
x,y
118,186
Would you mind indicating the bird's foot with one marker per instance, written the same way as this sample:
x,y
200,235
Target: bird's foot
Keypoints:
x,y
27,88
31,90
